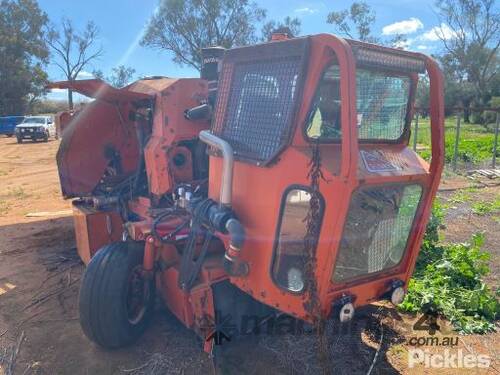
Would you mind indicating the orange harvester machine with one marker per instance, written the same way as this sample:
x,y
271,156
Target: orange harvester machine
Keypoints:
x,y
281,181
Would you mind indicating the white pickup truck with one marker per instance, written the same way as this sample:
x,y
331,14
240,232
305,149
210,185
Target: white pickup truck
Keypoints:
x,y
36,127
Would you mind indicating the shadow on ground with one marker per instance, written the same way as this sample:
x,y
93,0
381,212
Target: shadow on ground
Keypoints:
x,y
39,259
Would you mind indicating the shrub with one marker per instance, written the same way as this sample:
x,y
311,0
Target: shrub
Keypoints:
x,y
448,280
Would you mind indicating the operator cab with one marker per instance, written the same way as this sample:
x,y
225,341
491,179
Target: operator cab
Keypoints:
x,y
332,200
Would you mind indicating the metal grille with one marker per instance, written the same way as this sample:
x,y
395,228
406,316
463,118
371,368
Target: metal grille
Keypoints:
x,y
381,104
382,58
387,237
377,229
381,101
222,97
255,114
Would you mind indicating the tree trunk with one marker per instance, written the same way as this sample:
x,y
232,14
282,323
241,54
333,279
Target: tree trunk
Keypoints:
x,y
466,115
70,99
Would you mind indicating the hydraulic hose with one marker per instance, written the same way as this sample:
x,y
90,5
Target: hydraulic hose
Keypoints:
x,y
232,263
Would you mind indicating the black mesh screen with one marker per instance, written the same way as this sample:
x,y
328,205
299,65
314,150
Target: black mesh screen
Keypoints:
x,y
258,99
382,103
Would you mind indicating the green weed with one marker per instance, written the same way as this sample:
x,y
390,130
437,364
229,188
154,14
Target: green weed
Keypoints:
x,y
460,196
475,143
448,280
484,208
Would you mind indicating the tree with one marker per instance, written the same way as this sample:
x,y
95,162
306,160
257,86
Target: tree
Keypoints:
x,y
355,22
289,25
470,35
23,53
185,26
458,92
74,50
120,77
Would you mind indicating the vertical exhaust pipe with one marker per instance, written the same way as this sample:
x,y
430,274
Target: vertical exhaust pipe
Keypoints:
x,y
221,216
226,188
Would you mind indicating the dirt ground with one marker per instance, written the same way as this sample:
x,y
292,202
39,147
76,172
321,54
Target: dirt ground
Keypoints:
x,y
39,280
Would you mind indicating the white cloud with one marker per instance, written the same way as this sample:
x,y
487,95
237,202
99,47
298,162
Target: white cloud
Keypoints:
x,y
84,74
54,91
403,27
305,10
438,33
422,47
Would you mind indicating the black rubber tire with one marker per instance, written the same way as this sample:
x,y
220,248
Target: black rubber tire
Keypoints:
x,y
103,296
19,140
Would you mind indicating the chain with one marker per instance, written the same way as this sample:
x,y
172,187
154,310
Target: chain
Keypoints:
x,y
313,225
313,222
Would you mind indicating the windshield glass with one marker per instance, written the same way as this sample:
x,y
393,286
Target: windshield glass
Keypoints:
x,y
34,120
381,103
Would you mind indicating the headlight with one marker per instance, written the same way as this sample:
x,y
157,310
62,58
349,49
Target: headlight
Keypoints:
x,y
295,280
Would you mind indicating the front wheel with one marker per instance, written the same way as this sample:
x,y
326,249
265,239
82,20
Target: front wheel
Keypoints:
x,y
19,140
116,299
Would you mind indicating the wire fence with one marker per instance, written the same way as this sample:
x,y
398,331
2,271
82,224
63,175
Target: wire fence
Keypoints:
x,y
469,145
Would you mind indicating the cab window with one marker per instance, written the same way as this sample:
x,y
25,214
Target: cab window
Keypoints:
x,y
289,253
381,103
324,119
377,229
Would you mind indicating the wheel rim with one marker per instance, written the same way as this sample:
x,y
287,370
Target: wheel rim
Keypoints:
x,y
138,295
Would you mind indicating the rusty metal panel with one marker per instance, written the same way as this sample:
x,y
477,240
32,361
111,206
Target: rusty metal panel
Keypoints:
x,y
379,57
98,89
94,229
99,139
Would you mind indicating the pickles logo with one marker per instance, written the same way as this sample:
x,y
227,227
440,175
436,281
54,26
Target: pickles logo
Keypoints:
x,y
447,359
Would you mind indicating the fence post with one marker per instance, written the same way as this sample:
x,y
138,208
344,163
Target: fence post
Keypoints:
x,y
495,143
416,132
457,138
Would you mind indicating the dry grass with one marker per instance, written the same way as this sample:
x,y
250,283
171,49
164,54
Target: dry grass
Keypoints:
x,y
4,207
17,193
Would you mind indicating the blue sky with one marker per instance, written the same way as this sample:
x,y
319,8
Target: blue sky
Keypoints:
x,y
122,22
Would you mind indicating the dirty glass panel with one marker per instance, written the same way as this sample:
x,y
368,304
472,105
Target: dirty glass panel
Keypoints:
x,y
377,228
381,103
324,121
261,107
288,266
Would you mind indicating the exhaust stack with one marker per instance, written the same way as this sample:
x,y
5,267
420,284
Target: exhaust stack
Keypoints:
x,y
226,188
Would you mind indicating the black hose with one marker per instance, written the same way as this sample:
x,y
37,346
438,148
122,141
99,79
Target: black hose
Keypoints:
x,y
202,111
168,238
236,232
